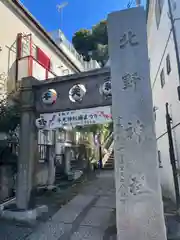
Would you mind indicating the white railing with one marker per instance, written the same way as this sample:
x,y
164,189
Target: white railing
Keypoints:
x,y
108,153
59,37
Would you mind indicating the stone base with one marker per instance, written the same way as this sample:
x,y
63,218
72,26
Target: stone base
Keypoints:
x,y
70,177
3,205
77,174
23,215
51,187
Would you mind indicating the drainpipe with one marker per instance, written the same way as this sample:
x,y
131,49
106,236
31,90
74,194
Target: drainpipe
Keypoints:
x,y
172,156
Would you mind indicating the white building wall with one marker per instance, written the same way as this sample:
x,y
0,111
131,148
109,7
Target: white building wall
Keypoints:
x,y
14,21
160,44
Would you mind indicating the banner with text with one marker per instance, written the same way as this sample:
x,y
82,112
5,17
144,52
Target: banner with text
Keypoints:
x,y
82,117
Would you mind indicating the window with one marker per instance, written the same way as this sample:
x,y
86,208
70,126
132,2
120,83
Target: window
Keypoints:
x,y
168,64
154,111
158,10
159,159
162,77
149,64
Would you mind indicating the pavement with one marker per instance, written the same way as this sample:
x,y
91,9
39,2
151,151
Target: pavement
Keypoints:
x,y
86,216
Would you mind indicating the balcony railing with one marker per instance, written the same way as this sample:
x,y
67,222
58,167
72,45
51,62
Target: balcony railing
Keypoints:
x,y
59,37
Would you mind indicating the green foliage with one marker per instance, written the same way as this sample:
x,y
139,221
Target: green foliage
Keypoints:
x,y
82,41
99,33
100,54
105,129
9,116
95,128
93,43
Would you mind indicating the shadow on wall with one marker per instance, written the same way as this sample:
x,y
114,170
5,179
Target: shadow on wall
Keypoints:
x,y
11,67
11,80
167,184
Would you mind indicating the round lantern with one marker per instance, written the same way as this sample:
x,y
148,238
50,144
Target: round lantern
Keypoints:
x,y
77,92
49,97
40,123
106,88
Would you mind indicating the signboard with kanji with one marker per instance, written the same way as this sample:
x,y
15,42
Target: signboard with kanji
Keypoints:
x,y
98,115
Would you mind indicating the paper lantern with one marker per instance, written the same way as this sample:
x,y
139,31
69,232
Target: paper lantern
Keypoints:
x,y
77,92
49,97
40,123
106,88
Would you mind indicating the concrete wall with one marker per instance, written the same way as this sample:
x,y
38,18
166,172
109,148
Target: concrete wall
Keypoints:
x,y
7,183
160,44
42,174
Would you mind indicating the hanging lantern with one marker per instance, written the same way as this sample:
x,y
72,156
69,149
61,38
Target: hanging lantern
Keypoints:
x,y
106,89
40,123
77,92
49,97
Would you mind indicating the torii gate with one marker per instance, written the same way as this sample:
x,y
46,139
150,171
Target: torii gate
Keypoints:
x,y
32,106
138,196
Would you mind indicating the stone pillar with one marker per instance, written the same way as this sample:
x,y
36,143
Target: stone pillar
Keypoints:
x,y
28,147
67,149
68,154
139,205
51,165
68,136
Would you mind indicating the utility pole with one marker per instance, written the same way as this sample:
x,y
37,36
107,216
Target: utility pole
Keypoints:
x,y
172,156
60,8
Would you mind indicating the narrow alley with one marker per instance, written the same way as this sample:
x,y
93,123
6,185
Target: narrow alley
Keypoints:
x,y
87,216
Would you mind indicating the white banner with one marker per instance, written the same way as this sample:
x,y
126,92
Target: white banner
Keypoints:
x,y
82,117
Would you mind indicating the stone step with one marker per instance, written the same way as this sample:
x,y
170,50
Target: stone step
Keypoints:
x,y
108,168
109,163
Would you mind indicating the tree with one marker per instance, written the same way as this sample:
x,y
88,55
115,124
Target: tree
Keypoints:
x,y
100,54
9,116
99,33
93,44
82,41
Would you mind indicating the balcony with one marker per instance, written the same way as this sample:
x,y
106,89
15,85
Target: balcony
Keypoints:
x,y
32,61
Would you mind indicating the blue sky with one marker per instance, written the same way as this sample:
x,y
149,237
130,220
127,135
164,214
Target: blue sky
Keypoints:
x,y
76,15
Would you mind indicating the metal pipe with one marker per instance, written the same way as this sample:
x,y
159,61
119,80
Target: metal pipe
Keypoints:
x,y
172,156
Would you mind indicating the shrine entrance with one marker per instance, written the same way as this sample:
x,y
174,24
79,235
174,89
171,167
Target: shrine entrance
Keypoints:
x,y
138,195
76,100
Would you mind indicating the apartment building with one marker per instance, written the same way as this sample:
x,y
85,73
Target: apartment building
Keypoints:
x,y
26,49
163,29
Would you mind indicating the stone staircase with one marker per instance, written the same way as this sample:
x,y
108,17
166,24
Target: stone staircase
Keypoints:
x,y
109,164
